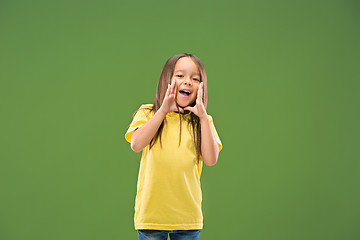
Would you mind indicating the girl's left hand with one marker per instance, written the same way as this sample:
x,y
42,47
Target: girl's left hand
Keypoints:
x,y
199,108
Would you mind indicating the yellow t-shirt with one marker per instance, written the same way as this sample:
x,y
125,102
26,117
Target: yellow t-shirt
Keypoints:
x,y
168,190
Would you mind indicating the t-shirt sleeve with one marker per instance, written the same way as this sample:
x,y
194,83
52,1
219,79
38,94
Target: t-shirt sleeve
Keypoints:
x,y
215,133
140,118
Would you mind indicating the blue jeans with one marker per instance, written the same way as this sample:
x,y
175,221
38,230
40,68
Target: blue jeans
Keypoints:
x,y
148,234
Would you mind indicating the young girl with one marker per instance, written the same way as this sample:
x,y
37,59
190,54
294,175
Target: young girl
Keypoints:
x,y
175,135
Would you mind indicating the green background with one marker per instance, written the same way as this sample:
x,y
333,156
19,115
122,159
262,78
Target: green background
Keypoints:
x,y
283,81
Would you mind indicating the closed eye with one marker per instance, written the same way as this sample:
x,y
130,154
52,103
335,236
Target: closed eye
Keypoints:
x,y
196,79
179,75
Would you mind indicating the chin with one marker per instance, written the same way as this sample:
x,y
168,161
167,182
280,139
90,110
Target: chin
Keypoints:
x,y
187,104
182,105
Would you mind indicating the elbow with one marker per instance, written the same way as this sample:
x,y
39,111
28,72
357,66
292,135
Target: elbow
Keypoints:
x,y
211,162
211,159
134,147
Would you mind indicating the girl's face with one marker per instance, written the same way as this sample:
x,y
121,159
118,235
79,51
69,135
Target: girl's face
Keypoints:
x,y
187,77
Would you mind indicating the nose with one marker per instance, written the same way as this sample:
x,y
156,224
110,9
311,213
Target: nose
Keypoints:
x,y
188,82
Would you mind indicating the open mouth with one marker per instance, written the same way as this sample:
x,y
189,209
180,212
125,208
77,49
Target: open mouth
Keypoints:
x,y
185,93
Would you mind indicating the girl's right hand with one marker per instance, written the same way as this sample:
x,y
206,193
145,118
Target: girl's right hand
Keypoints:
x,y
169,102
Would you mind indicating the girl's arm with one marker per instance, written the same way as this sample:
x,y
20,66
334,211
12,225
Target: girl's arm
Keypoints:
x,y
209,146
143,135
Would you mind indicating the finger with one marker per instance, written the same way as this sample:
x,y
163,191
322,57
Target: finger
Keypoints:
x,y
167,90
180,109
198,97
173,87
201,90
191,109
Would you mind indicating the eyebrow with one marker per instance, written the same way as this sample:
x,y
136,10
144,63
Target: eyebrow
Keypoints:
x,y
185,71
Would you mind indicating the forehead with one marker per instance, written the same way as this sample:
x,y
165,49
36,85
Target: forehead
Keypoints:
x,y
186,64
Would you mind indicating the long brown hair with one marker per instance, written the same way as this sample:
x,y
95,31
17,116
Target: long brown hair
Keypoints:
x,y
165,79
